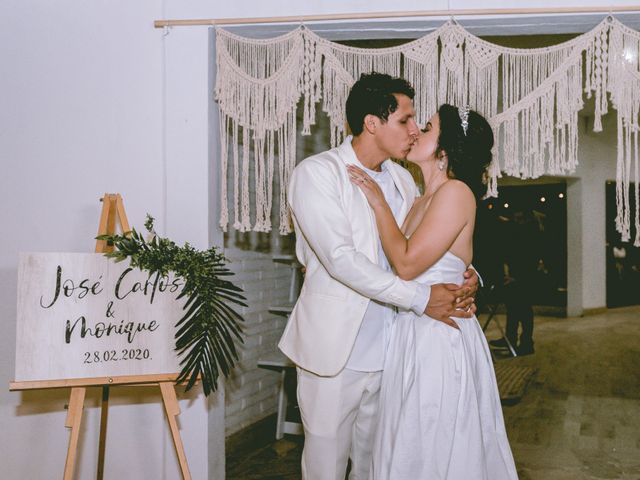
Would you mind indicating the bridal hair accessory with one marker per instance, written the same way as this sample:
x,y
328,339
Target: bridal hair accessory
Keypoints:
x,y
464,118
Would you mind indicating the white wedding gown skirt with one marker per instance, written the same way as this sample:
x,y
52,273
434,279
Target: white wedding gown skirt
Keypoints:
x,y
440,413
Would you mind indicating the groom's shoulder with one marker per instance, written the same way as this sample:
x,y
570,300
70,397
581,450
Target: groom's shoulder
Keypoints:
x,y
325,160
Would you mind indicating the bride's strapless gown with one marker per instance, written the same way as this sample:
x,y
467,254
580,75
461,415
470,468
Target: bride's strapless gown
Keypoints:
x,y
440,413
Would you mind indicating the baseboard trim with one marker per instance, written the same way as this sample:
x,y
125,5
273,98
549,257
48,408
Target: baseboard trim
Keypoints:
x,y
594,311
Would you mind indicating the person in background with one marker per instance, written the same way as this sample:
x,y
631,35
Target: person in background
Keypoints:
x,y
521,247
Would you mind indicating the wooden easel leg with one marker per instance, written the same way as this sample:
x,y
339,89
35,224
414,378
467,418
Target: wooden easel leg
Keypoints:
x,y
74,417
101,245
104,415
172,409
124,222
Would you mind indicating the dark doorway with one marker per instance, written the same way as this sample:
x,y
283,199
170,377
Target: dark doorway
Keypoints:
x,y
623,259
541,209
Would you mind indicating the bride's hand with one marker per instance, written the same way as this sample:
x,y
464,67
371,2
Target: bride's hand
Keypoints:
x,y
368,186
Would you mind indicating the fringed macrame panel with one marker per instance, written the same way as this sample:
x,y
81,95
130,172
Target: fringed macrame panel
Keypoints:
x,y
624,89
530,96
342,67
259,84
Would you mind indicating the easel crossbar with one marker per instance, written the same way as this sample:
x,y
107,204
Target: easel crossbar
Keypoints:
x,y
94,381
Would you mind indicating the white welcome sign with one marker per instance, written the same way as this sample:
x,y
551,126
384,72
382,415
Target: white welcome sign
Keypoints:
x,y
82,315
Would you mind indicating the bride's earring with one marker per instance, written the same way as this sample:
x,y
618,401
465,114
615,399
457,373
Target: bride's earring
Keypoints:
x,y
441,165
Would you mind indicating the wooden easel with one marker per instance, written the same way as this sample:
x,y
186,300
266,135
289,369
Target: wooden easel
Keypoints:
x,y
112,210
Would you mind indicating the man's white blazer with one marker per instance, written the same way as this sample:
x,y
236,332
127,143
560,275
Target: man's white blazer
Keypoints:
x,y
337,242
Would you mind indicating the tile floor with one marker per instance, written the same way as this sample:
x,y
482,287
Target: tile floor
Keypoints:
x,y
579,419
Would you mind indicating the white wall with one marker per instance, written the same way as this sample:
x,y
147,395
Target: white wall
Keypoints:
x,y
92,103
93,100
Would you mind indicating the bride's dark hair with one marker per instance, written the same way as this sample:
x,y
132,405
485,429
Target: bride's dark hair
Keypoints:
x,y
468,155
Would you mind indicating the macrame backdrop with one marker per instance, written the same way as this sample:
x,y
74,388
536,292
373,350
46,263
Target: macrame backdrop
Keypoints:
x,y
530,96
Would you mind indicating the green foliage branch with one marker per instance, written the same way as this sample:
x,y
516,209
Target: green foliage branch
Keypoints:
x,y
210,327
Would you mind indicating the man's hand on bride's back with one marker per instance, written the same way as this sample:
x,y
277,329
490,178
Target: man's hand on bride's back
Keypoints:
x,y
450,300
471,281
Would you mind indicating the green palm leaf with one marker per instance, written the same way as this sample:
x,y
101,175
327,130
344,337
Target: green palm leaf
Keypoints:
x,y
210,326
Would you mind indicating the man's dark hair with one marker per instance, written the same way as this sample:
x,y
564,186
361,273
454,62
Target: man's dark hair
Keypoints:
x,y
372,94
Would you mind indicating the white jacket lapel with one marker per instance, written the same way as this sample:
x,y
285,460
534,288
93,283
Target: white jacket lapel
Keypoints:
x,y
348,156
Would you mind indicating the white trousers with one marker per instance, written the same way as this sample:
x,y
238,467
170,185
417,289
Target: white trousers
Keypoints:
x,y
339,417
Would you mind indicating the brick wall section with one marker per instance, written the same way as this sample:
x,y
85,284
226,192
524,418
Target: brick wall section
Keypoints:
x,y
251,392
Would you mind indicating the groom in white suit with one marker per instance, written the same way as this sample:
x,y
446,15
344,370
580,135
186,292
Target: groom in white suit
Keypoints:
x,y
337,333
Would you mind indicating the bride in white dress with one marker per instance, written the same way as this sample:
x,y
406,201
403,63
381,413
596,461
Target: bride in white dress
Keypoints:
x,y
440,413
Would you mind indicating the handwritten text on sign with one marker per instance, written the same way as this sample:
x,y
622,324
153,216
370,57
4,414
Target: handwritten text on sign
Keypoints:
x,y
83,315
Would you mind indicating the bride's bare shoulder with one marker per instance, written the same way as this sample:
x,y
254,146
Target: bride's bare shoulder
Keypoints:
x,y
455,190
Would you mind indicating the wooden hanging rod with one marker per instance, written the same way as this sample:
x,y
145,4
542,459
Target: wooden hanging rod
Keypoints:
x,y
375,15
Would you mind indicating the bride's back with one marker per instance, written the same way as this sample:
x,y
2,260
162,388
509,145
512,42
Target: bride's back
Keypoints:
x,y
459,195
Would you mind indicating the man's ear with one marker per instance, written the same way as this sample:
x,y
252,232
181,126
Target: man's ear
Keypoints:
x,y
371,123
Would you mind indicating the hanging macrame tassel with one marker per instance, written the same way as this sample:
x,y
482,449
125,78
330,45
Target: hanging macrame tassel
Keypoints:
x,y
481,76
451,88
596,75
286,226
420,69
627,181
336,82
342,66
282,167
636,179
268,209
236,174
619,178
624,86
224,124
260,186
310,80
493,172
259,83
287,146
245,209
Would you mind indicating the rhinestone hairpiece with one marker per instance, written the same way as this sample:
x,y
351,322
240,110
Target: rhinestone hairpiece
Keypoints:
x,y
464,118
